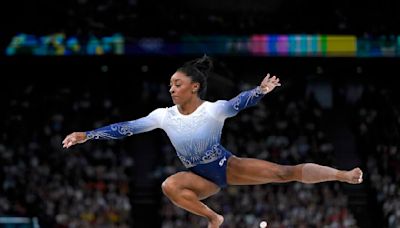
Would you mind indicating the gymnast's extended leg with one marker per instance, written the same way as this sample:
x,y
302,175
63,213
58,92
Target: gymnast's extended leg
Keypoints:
x,y
243,171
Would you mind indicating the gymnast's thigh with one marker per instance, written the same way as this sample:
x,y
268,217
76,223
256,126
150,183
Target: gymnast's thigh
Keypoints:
x,y
251,171
189,180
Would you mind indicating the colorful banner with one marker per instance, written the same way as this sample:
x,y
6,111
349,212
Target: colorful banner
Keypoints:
x,y
302,45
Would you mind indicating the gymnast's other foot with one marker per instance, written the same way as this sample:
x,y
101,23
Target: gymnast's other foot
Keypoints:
x,y
215,223
354,176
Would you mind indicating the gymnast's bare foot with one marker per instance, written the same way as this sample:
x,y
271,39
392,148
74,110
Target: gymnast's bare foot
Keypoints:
x,y
215,223
354,176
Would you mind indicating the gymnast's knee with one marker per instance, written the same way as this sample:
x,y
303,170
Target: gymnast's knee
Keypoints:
x,y
169,187
287,173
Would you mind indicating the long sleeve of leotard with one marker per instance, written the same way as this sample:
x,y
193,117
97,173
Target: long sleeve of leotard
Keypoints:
x,y
128,128
224,109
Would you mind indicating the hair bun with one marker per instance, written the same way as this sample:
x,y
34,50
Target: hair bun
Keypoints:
x,y
199,71
204,64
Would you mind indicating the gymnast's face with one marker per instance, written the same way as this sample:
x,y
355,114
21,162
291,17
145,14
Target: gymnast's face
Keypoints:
x,y
183,90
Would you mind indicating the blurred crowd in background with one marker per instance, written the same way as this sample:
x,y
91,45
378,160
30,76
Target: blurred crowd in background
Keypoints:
x,y
376,122
137,18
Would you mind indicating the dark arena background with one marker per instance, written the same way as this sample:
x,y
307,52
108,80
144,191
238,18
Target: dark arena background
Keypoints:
x,y
77,65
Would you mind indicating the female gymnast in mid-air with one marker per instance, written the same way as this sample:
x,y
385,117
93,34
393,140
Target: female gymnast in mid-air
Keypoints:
x,y
194,127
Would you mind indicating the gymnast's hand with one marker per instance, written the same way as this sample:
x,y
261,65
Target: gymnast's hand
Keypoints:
x,y
74,138
269,83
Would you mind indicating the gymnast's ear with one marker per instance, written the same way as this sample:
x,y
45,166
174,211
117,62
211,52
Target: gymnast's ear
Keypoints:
x,y
195,87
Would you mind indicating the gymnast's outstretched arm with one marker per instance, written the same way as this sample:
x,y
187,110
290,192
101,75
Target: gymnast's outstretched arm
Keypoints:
x,y
117,130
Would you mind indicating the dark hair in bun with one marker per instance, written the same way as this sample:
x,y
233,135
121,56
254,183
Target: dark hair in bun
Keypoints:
x,y
198,70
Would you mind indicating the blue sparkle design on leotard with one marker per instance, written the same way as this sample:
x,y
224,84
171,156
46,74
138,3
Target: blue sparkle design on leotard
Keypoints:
x,y
196,137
